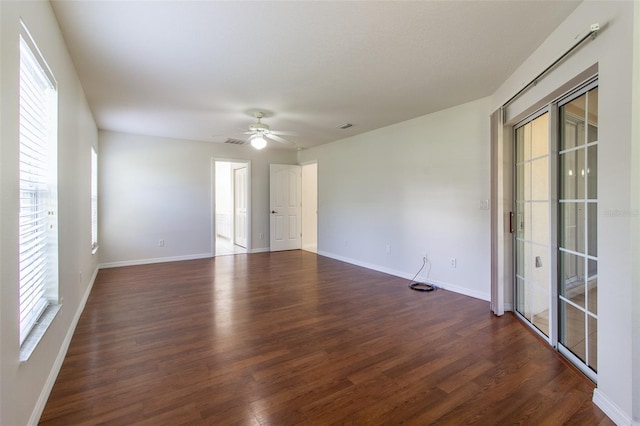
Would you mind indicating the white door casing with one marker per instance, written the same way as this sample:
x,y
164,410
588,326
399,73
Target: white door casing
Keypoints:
x,y
285,207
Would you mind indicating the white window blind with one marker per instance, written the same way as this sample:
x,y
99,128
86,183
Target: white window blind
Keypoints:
x,y
38,205
94,199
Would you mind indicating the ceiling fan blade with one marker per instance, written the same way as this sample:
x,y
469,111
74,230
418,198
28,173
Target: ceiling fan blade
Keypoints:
x,y
279,139
283,133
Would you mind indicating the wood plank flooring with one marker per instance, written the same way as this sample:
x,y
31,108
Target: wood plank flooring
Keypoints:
x,y
294,338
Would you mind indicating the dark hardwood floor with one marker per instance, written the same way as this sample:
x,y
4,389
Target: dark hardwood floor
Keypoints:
x,y
294,338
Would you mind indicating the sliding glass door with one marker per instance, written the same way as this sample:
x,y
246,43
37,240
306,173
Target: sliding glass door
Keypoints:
x,y
555,225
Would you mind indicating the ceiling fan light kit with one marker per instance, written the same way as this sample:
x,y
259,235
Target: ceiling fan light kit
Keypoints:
x,y
258,142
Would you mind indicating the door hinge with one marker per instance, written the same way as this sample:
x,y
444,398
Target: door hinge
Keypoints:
x,y
511,222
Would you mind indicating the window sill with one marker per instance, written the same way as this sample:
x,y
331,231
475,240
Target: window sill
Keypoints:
x,y
37,333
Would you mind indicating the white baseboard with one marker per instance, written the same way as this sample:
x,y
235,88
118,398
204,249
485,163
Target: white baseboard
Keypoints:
x,y
612,411
462,290
408,276
57,364
260,250
366,265
155,260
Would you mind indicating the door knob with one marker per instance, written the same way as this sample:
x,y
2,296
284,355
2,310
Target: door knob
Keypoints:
x,y
273,211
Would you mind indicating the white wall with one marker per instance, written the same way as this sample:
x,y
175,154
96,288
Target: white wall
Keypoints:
x,y
612,50
309,201
25,387
416,187
154,188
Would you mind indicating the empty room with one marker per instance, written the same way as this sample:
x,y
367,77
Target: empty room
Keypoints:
x,y
319,212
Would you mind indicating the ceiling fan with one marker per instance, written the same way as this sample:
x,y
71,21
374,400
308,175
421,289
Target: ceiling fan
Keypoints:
x,y
259,131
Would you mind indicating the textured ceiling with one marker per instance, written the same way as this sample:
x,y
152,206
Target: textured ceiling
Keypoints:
x,y
199,69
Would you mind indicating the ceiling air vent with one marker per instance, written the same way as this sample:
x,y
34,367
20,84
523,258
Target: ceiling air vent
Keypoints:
x,y
235,141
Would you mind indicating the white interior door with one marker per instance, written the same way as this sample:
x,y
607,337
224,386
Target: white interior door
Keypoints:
x,y
285,191
240,206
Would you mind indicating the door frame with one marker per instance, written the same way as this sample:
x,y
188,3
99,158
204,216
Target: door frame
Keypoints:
x,y
213,200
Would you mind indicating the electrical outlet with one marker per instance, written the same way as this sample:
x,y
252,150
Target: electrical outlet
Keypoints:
x,y
424,257
262,236
160,243
453,262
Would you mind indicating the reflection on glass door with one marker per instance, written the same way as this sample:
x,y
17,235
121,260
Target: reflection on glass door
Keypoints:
x,y
578,224
532,222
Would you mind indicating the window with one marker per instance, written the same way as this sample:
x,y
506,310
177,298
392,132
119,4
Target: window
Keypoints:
x,y
94,200
38,234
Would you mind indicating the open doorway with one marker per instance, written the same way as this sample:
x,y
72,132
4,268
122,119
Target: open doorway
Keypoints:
x,y
231,207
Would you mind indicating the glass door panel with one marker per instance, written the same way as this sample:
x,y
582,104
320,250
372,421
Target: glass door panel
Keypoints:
x,y
533,220
578,225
